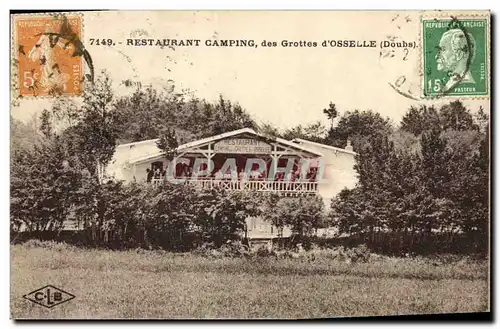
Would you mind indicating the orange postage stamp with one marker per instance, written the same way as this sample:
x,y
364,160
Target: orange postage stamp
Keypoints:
x,y
49,55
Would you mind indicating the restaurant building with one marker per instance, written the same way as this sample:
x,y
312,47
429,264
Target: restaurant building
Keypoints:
x,y
241,160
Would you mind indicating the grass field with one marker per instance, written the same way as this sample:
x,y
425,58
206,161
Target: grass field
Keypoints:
x,y
131,284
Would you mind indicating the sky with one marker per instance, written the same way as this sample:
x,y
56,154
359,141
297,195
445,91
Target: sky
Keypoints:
x,y
285,86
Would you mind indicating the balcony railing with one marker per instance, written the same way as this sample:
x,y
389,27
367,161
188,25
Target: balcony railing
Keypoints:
x,y
285,187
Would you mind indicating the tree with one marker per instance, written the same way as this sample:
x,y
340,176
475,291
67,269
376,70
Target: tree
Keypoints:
x,y
23,135
359,127
418,120
44,180
273,211
426,180
92,137
268,129
480,220
222,214
228,117
169,212
89,138
331,113
302,214
168,144
346,211
383,182
66,112
148,113
453,116
314,132
435,158
482,119
310,215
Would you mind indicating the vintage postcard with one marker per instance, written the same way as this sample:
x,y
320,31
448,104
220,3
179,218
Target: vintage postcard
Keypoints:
x,y
250,164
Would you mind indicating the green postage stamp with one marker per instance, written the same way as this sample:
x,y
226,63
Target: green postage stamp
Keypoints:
x,y
455,57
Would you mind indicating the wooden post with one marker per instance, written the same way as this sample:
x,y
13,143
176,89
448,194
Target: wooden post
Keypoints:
x,y
173,164
275,159
209,156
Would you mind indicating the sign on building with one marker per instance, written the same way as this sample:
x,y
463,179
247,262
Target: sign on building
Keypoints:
x,y
242,145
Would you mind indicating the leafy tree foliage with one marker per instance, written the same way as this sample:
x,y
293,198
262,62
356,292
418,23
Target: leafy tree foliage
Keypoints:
x,y
43,181
303,214
315,132
66,166
439,187
168,215
168,143
306,214
92,137
148,113
172,216
23,135
222,214
453,116
418,120
331,112
268,129
359,127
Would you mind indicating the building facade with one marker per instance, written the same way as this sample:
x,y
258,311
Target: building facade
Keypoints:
x,y
241,160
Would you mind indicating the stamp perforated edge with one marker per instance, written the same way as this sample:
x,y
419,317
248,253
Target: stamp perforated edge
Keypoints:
x,y
487,17
14,88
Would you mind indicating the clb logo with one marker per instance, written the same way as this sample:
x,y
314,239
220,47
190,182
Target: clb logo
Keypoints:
x,y
49,296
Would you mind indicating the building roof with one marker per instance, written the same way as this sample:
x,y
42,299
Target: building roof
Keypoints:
x,y
137,143
206,140
328,147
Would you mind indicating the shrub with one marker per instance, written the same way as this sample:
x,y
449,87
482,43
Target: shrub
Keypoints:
x,y
359,254
231,249
52,245
220,214
303,214
264,251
